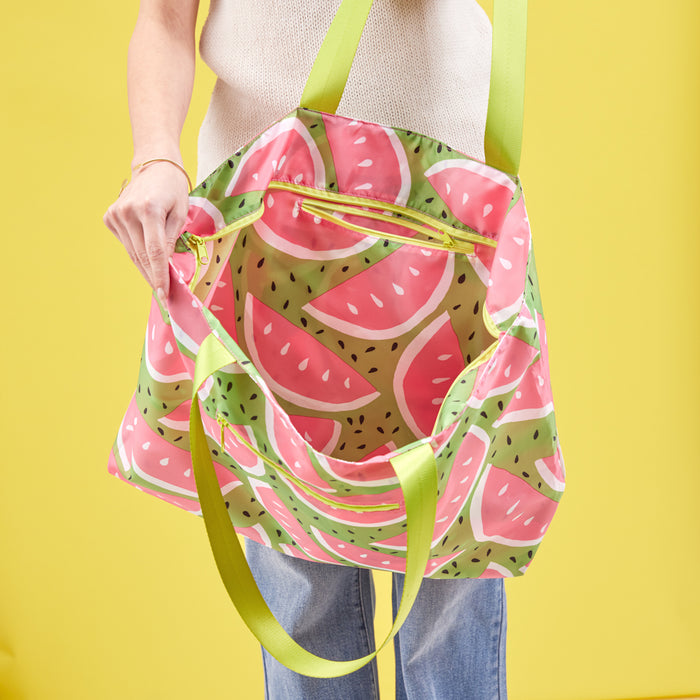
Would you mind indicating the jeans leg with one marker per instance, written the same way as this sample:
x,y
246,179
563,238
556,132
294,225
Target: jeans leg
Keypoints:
x,y
453,643
327,609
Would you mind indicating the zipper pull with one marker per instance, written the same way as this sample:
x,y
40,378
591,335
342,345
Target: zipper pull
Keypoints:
x,y
200,250
222,422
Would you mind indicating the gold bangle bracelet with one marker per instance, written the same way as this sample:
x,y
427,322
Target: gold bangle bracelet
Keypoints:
x,y
158,160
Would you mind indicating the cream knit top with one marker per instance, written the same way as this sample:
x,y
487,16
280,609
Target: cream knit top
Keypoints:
x,y
421,65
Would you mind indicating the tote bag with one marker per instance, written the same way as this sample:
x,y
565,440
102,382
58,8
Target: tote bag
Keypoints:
x,y
351,366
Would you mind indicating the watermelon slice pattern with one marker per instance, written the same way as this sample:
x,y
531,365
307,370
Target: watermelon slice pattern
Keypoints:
x,y
349,346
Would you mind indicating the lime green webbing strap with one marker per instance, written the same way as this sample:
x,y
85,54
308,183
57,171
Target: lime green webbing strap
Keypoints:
x,y
326,82
416,472
504,123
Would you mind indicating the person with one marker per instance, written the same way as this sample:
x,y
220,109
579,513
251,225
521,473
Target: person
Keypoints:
x,y
421,64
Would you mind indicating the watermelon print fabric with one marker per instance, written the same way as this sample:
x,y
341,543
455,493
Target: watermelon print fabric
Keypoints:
x,y
378,290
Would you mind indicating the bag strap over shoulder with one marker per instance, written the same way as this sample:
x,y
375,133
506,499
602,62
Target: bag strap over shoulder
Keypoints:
x,y
417,475
504,123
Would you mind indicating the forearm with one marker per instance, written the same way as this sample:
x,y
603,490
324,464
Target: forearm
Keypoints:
x,y
160,76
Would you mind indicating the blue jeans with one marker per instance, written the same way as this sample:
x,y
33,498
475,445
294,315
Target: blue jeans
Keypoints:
x,y
451,647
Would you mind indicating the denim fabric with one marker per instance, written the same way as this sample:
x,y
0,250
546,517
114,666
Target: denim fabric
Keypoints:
x,y
451,647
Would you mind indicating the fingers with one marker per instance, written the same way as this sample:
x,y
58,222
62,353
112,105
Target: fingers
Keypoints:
x,y
147,219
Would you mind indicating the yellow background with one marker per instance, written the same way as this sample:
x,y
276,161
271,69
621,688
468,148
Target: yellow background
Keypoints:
x,y
106,593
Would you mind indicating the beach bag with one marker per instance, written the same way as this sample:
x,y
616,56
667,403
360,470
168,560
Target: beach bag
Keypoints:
x,y
351,366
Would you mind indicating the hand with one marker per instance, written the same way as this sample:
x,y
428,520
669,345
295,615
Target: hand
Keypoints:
x,y
147,218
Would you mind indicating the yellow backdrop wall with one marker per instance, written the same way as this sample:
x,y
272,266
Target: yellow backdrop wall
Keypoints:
x,y
106,593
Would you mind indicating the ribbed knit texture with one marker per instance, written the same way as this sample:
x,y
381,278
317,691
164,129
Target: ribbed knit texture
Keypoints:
x,y
421,65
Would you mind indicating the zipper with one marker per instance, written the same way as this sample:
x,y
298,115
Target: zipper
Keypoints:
x,y
413,219
302,485
445,243
197,244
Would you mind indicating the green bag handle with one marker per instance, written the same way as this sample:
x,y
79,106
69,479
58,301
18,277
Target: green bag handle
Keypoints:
x,y
504,122
417,475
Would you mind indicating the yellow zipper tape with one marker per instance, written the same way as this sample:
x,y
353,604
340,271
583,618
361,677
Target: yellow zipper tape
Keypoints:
x,y
298,482
324,195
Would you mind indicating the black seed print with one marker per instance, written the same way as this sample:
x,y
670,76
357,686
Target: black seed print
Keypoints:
x,y
361,419
536,435
179,437
454,308
308,288
230,163
471,337
371,370
354,357
370,348
429,200
469,358
529,554
229,386
218,258
461,278
162,432
244,241
508,440
512,559
273,287
526,475
361,447
240,269
475,560
483,414
380,429
292,277
461,519
215,453
342,447
444,214
165,405
445,571
318,332
145,411
444,540
454,563
227,504
349,419
388,414
240,206
517,459
279,533
394,346
395,430
242,408
439,148
286,304
246,513
148,390
304,322
476,307
416,149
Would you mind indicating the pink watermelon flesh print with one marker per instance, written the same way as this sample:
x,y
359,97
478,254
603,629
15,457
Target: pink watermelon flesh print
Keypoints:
x,y
285,151
271,501
156,463
298,367
285,226
321,433
390,297
425,372
507,510
160,353
466,467
369,162
479,196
